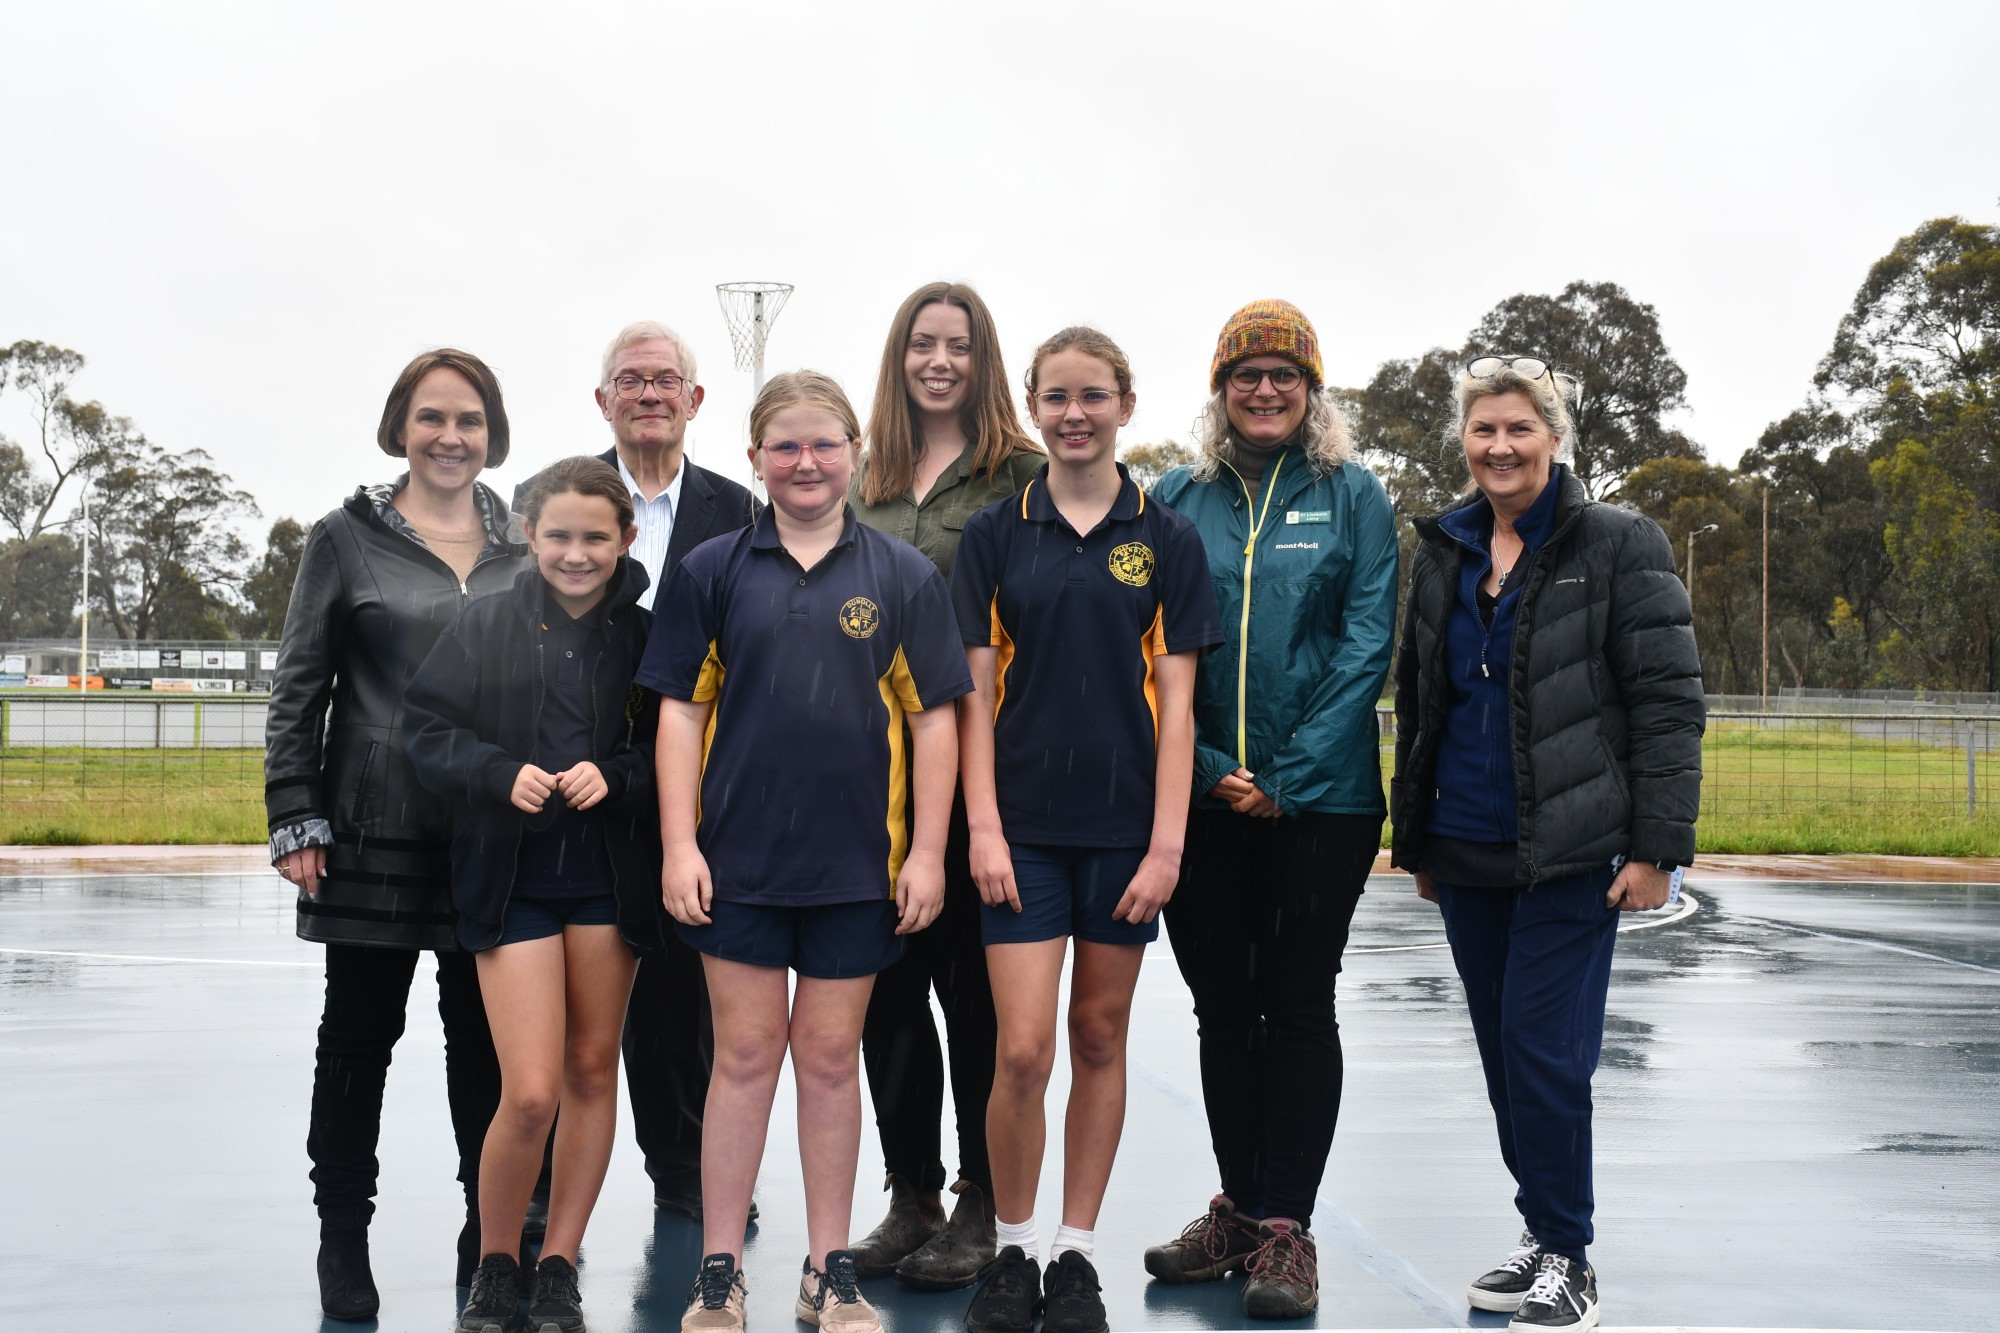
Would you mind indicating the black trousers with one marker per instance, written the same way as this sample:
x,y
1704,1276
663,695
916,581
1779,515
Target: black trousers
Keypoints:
x,y
367,996
1258,924
899,1040
669,1046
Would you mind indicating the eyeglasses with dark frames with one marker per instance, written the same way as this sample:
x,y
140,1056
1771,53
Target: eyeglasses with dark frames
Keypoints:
x,y
667,384
1283,378
1485,367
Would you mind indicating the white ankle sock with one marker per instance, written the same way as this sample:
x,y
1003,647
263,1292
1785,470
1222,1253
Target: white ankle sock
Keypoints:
x,y
1073,1238
1015,1233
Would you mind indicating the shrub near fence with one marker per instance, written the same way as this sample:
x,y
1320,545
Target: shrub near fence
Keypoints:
x,y
1889,780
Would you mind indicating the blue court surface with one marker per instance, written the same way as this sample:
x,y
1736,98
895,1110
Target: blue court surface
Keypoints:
x,y
1798,1126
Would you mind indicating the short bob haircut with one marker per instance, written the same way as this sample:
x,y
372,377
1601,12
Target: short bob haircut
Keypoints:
x,y
389,435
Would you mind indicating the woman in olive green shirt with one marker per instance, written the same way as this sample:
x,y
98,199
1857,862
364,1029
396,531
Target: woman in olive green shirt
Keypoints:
x,y
944,441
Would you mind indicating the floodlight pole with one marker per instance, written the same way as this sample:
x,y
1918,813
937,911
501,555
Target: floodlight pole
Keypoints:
x,y
1764,679
1692,534
83,649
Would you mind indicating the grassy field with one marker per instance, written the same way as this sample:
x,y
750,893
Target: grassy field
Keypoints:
x,y
78,797
1791,789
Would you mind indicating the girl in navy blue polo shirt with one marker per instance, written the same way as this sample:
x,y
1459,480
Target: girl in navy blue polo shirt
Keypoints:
x,y
525,719
1083,606
789,657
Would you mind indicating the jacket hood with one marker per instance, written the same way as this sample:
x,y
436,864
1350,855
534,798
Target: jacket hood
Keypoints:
x,y
504,530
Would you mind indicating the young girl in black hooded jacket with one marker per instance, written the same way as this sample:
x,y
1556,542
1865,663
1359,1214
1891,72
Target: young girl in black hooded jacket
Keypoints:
x,y
526,720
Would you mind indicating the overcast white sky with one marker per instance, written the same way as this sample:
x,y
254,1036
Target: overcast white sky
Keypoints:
x,y
248,216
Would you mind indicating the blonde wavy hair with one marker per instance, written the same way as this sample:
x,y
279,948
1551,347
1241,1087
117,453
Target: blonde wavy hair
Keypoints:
x,y
1324,433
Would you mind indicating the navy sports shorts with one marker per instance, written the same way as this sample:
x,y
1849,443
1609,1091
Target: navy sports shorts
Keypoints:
x,y
831,941
539,918
1067,891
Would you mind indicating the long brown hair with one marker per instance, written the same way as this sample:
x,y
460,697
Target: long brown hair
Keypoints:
x,y
989,420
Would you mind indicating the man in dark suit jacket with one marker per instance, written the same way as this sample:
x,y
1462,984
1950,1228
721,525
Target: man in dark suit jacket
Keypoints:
x,y
649,394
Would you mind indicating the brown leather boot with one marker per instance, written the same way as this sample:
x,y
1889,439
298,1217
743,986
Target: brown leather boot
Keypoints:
x,y
953,1257
912,1220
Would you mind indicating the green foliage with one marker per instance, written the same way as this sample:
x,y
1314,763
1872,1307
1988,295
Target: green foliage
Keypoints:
x,y
1146,462
267,593
1627,380
164,548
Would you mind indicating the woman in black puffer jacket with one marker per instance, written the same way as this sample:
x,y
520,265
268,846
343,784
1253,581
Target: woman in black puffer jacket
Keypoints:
x,y
1548,772
366,847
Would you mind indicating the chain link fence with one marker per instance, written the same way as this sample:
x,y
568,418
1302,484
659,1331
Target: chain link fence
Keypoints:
x,y
152,767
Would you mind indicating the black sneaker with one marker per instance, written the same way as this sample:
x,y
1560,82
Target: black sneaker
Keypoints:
x,y
496,1296
557,1306
716,1303
1562,1296
1009,1295
1070,1300
1503,1287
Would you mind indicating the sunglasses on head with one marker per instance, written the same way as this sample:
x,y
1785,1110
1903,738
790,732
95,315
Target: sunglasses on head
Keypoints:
x,y
1528,367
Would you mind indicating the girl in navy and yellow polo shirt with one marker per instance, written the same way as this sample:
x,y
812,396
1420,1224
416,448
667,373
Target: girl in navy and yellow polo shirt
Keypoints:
x,y
790,656
1083,606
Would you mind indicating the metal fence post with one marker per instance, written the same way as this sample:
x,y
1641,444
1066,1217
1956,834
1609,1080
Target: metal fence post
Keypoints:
x,y
1971,774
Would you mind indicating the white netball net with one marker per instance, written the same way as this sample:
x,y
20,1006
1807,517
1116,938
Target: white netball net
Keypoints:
x,y
751,309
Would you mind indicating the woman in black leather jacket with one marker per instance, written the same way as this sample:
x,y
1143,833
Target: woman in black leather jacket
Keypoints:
x,y
367,848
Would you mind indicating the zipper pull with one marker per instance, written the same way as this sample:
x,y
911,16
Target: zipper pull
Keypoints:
x,y
1484,672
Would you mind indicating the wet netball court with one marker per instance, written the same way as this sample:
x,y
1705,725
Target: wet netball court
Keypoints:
x,y
1798,1125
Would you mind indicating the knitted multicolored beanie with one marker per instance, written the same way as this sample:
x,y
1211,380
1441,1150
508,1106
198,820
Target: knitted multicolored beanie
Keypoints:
x,y
1277,328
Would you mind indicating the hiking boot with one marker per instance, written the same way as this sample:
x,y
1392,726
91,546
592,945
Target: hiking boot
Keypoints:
x,y
1070,1299
912,1220
496,1296
686,1198
535,1222
832,1299
346,1283
557,1306
1502,1288
1216,1243
953,1257
1284,1273
715,1305
1009,1295
1562,1296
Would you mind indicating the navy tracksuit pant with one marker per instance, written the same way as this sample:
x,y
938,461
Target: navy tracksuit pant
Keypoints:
x,y
1536,962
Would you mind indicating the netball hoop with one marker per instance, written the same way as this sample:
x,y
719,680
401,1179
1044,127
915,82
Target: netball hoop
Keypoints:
x,y
751,309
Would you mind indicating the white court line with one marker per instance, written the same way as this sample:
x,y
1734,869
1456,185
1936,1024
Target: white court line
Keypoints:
x,y
1867,943
1689,905
155,958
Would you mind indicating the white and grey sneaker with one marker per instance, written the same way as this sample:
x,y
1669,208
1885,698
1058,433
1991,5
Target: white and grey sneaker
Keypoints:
x,y
1563,1296
1503,1288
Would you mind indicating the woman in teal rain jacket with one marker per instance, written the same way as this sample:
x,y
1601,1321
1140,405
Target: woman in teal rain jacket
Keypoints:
x,y
1301,545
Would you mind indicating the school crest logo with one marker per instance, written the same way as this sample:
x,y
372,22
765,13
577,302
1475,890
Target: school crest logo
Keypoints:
x,y
1132,563
859,617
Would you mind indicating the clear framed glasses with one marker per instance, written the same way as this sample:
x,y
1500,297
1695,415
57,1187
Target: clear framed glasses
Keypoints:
x,y
1530,367
667,384
1283,378
1056,401
786,453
